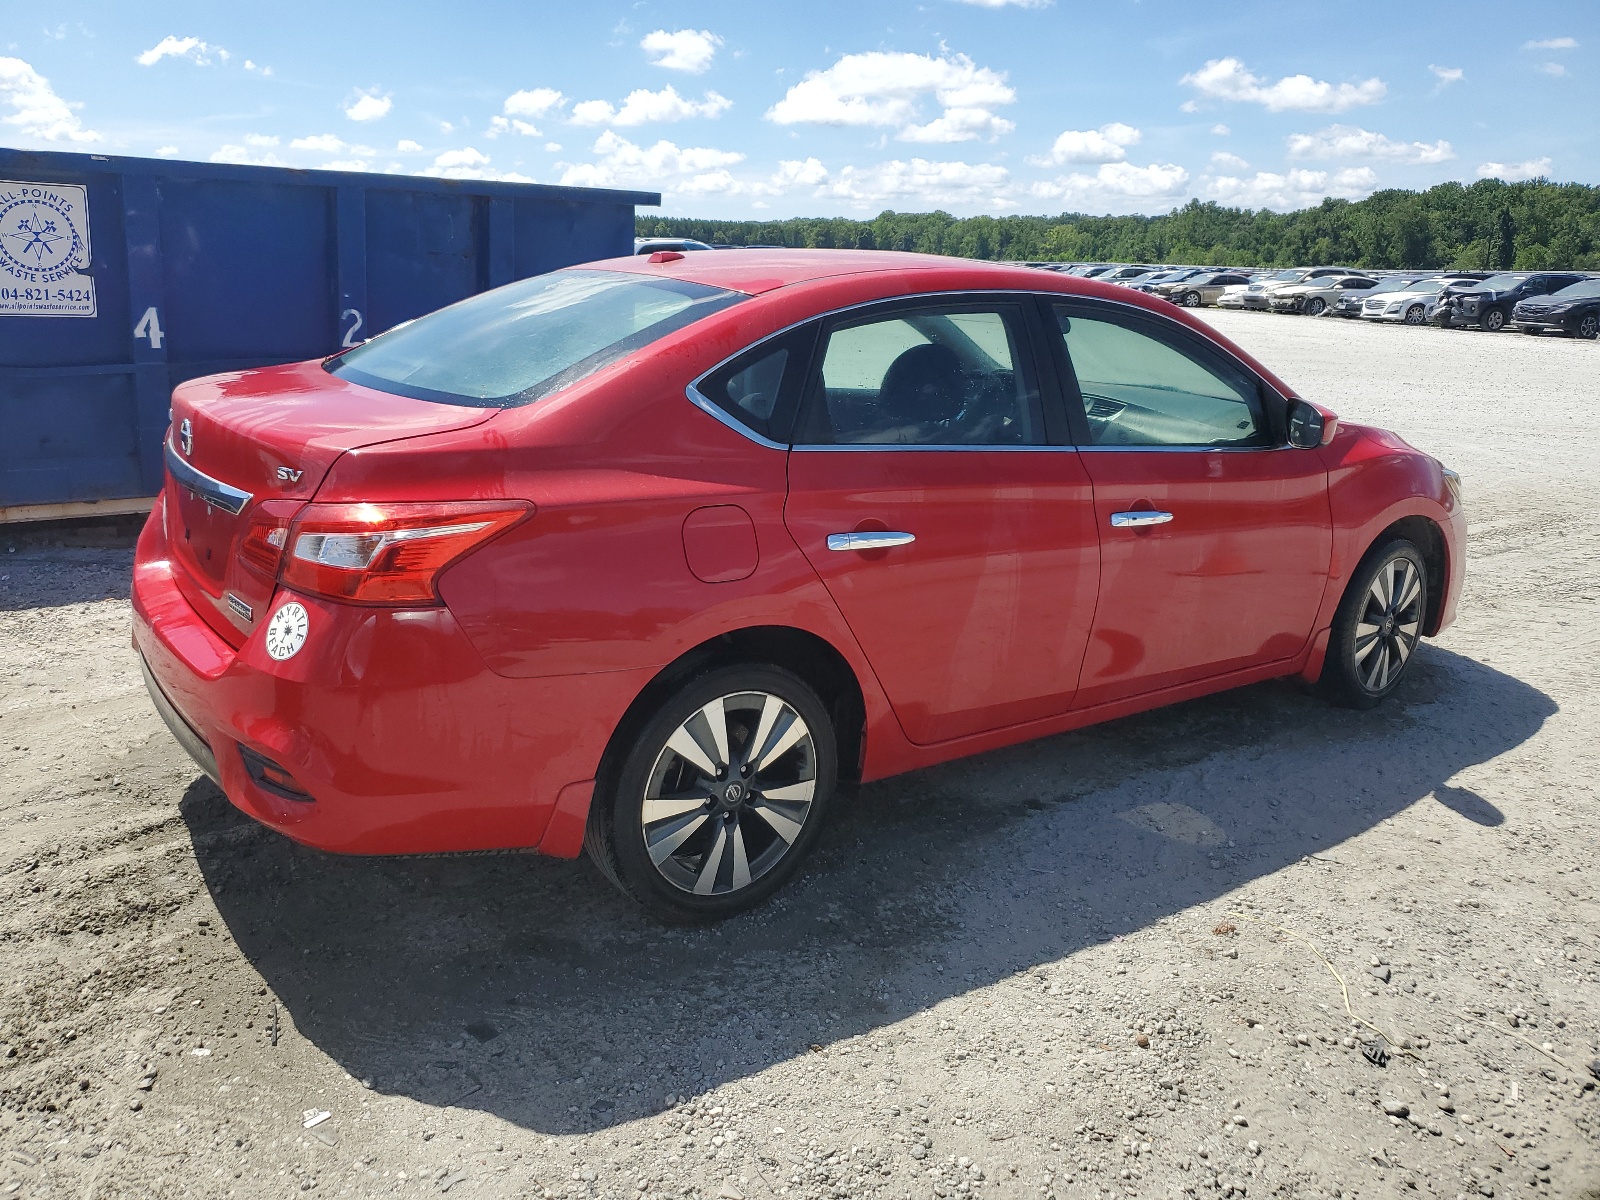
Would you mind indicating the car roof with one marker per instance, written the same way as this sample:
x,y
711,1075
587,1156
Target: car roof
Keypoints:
x,y
757,271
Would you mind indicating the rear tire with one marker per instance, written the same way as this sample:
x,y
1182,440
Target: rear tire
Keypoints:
x,y
1493,321
1377,626
720,795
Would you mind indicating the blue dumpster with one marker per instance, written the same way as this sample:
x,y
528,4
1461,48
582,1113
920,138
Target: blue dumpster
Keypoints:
x,y
122,277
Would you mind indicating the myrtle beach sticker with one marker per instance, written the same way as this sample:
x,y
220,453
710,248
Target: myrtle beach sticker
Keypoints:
x,y
44,250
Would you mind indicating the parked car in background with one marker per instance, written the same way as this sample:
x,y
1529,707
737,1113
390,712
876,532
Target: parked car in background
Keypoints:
x,y
1313,296
1259,294
1574,310
1412,305
1233,295
1092,270
1124,274
680,245
643,558
1149,283
1351,303
1488,304
1204,288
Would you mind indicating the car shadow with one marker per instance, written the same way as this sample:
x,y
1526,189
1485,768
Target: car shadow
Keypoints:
x,y
527,988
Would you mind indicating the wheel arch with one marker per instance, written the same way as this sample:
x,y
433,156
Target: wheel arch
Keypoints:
x,y
812,657
1425,534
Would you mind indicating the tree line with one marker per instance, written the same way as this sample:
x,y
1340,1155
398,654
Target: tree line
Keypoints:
x,y
1488,225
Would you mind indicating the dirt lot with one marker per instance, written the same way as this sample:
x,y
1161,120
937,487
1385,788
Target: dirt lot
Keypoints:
x,y
1075,968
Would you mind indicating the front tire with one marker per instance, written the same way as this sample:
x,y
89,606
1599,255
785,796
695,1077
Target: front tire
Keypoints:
x,y
720,795
1377,627
1589,326
1416,315
1191,300
1494,320
1314,306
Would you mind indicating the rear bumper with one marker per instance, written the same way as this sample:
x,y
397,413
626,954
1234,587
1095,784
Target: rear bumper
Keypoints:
x,y
397,737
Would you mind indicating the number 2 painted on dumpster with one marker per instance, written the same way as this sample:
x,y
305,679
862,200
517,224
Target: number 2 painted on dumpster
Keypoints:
x,y
149,326
350,338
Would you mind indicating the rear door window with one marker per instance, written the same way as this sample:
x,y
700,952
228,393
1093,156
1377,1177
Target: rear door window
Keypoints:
x,y
935,376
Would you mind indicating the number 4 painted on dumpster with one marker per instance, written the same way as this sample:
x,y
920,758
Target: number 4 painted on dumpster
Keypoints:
x,y
149,326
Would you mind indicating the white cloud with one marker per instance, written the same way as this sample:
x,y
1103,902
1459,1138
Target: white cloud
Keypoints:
x,y
552,147
533,103
346,164
470,163
499,125
250,66
1008,3
368,106
261,139
1347,141
1560,43
886,88
958,125
1231,161
644,107
921,182
1118,186
323,143
192,48
688,50
1534,168
807,172
1228,79
36,111
1447,75
247,156
1107,144
623,163
1221,130
1552,68
407,146
166,152
1295,189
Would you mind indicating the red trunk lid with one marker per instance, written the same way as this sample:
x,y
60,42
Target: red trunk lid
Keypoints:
x,y
267,437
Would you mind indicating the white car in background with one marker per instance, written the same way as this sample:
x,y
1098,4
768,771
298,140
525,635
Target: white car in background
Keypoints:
x,y
1233,295
1413,306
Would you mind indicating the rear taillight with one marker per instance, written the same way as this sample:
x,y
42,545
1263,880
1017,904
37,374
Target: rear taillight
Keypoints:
x,y
261,548
389,553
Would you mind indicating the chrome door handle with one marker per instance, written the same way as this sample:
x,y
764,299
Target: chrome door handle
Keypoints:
x,y
1126,520
869,541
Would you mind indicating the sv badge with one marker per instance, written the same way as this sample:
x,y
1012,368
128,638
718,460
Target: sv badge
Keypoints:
x,y
288,475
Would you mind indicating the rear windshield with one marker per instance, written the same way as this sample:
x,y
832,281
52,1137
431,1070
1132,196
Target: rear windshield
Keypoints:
x,y
528,339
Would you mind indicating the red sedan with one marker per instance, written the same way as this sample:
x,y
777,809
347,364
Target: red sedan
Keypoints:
x,y
646,556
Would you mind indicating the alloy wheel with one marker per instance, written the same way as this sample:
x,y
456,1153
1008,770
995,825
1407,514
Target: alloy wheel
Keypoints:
x,y
1415,315
1389,625
1589,327
729,793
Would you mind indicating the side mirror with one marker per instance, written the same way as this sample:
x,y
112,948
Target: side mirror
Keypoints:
x,y
1306,425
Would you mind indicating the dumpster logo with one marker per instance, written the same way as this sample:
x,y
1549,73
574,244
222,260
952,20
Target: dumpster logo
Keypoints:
x,y
44,250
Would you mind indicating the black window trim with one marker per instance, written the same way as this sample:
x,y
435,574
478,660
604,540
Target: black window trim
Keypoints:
x,y
1274,405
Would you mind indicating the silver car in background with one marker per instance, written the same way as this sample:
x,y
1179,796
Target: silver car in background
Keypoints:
x,y
1412,305
1202,289
1313,297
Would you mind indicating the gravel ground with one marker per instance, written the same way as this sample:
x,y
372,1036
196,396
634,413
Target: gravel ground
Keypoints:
x,y
1105,964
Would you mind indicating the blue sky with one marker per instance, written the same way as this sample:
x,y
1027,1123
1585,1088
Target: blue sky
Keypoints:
x,y
832,107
